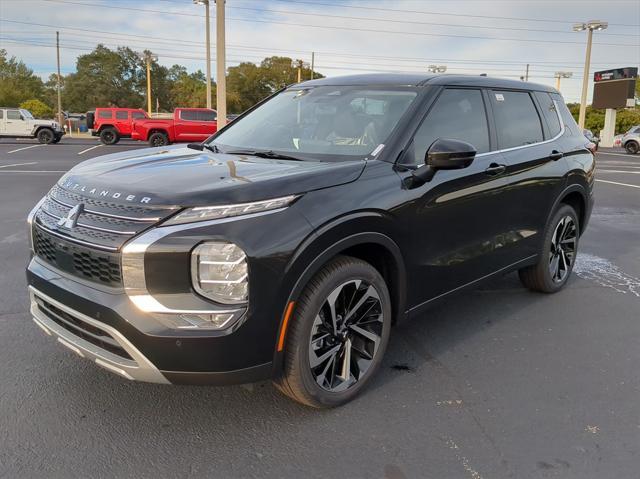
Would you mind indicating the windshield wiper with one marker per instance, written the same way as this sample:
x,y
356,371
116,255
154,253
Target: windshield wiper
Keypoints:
x,y
264,154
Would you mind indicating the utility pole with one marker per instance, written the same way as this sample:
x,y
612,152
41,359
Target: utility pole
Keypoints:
x,y
221,71
300,65
313,60
590,26
560,75
207,46
526,73
59,86
148,57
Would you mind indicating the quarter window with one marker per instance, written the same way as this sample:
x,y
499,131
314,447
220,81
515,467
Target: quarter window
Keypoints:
x,y
13,115
458,114
107,114
549,112
517,120
122,115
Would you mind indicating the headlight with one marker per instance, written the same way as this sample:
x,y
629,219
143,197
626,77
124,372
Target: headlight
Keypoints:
x,y
203,213
219,272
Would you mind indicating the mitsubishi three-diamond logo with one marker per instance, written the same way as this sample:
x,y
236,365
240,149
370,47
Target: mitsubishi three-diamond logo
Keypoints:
x,y
71,220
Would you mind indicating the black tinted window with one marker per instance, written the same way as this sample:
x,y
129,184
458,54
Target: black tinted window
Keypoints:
x,y
549,112
189,115
517,120
458,114
122,115
207,115
137,114
105,114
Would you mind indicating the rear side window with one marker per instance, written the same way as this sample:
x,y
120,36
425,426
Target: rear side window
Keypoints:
x,y
13,115
122,115
106,114
458,114
517,120
190,115
549,112
569,123
137,115
206,115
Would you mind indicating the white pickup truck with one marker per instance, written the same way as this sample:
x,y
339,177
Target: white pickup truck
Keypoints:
x,y
20,123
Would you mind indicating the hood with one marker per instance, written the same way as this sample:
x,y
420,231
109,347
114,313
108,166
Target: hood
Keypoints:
x,y
177,175
37,122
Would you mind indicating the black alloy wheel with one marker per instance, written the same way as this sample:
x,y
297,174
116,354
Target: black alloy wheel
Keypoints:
x,y
562,252
45,136
346,335
632,147
158,139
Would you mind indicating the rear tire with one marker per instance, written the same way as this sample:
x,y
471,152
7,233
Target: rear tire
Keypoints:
x,y
158,139
558,254
337,335
45,136
109,136
632,147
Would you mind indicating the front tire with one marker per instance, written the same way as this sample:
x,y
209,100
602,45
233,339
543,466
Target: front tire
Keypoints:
x,y
158,139
338,334
558,254
45,136
632,147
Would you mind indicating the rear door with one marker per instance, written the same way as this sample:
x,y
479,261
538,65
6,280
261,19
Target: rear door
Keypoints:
x,y
208,123
527,127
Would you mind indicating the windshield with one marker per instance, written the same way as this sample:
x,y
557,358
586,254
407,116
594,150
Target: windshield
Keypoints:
x,y
26,114
320,123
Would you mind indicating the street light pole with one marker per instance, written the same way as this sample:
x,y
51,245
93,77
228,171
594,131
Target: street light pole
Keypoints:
x,y
59,82
560,75
590,26
207,46
148,58
221,71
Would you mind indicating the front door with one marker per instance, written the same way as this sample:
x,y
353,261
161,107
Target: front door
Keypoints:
x,y
15,124
459,221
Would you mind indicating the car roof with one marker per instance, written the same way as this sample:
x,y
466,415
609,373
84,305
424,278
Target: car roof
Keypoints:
x,y
413,79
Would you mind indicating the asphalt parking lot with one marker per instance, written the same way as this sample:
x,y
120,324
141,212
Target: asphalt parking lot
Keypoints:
x,y
496,383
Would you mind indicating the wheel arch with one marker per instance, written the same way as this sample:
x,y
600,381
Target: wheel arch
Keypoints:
x,y
575,196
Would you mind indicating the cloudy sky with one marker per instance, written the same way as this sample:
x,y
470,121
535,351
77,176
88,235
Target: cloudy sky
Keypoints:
x,y
349,36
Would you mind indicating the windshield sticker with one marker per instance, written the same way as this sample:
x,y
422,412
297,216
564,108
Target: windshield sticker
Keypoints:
x,y
499,97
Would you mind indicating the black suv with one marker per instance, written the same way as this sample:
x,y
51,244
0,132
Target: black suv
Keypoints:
x,y
288,244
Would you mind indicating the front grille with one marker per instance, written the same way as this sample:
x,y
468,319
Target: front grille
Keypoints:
x,y
80,328
93,265
90,249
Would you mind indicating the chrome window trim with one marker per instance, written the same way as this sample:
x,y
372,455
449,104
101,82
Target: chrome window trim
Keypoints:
x,y
562,130
140,244
99,213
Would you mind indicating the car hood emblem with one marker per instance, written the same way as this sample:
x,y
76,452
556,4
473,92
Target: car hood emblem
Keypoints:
x,y
71,220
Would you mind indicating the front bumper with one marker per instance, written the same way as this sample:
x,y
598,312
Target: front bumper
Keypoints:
x,y
104,327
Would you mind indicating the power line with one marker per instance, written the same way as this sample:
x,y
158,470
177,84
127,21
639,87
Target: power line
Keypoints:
x,y
352,29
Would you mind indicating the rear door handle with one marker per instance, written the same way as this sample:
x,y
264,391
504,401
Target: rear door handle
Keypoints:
x,y
495,169
556,155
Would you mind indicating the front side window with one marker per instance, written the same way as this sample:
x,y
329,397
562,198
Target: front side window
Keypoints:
x,y
136,115
13,115
122,115
458,114
189,115
321,123
517,120
549,112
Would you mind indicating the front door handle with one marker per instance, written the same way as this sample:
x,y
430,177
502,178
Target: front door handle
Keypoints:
x,y
495,169
556,155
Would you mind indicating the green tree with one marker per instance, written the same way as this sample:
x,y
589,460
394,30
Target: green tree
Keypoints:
x,y
37,108
247,84
17,82
189,90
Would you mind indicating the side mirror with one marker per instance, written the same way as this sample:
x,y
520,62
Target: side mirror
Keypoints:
x,y
445,154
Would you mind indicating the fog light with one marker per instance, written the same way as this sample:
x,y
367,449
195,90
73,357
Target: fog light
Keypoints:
x,y
219,272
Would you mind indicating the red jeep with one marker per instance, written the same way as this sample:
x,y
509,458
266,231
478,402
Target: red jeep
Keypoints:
x,y
187,124
111,124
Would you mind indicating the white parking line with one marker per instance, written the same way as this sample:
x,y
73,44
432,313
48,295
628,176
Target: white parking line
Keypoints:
x,y
616,183
619,171
89,149
19,164
615,154
33,171
24,148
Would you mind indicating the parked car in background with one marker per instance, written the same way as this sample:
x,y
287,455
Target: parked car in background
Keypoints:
x,y
111,124
287,245
630,141
592,138
617,140
20,123
187,124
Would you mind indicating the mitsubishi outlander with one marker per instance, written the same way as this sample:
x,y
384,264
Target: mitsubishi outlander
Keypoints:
x,y
288,244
